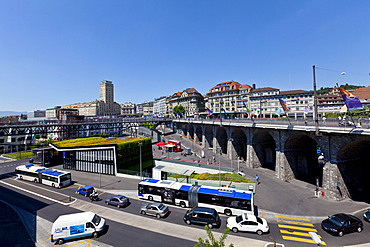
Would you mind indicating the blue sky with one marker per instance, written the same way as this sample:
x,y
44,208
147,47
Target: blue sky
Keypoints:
x,y
57,52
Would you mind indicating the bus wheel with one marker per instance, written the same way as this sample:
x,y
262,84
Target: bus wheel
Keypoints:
x,y
60,241
182,204
95,235
150,198
228,212
35,180
20,177
53,185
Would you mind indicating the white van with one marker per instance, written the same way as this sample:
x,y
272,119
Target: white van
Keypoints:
x,y
77,225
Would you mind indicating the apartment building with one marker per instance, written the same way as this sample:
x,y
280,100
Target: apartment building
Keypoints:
x,y
190,99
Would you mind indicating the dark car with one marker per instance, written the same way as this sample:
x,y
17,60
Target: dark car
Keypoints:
x,y
118,201
202,216
85,190
367,215
339,224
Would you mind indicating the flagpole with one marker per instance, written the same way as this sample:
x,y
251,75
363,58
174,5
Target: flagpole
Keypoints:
x,y
315,113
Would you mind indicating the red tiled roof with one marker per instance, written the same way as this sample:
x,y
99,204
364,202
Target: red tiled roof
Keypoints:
x,y
362,93
294,92
264,89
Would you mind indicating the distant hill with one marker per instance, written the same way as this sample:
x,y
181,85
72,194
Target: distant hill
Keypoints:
x,y
11,113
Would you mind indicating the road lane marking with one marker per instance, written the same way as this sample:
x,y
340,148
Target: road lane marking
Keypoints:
x,y
298,228
292,218
39,195
295,223
303,234
305,240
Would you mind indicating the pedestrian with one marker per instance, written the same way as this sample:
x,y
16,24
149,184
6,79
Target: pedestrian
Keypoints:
x,y
324,120
258,179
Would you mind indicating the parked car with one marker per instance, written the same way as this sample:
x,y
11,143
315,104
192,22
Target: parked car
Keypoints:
x,y
248,223
85,190
367,215
339,224
118,201
157,209
202,216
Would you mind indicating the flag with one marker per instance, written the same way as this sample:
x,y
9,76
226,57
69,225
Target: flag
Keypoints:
x,y
278,111
307,109
246,107
352,102
210,112
283,105
223,109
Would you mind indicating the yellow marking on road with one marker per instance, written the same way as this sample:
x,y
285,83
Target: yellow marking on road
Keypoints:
x,y
305,240
82,242
303,234
45,241
291,218
101,193
71,187
295,223
298,228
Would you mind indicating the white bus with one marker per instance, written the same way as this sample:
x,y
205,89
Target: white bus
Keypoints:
x,y
225,200
39,174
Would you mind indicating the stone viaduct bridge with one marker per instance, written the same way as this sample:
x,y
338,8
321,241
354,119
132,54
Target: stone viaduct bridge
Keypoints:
x,y
291,150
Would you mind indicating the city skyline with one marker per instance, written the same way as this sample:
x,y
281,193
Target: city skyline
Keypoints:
x,y
56,53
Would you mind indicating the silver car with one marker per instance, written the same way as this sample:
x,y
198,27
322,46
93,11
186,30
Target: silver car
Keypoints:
x,y
156,209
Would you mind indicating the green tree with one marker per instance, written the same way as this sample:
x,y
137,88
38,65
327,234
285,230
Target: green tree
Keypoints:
x,y
179,110
212,242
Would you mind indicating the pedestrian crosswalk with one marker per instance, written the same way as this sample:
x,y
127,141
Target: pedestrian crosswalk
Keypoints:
x,y
296,229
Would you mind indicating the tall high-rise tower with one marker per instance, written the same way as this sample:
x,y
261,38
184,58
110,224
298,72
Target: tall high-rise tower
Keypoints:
x,y
106,92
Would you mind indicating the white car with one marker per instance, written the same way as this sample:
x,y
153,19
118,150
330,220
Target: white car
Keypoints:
x,y
248,223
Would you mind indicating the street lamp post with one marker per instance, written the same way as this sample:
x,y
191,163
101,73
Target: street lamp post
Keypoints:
x,y
315,113
219,166
231,153
141,163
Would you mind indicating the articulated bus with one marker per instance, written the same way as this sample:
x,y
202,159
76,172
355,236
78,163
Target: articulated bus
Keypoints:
x,y
39,174
225,200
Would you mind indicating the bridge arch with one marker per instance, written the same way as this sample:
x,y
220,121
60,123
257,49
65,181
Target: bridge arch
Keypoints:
x,y
353,164
208,135
301,153
264,146
239,143
221,137
199,133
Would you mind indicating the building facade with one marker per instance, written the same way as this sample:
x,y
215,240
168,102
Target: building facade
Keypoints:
x,y
128,109
190,99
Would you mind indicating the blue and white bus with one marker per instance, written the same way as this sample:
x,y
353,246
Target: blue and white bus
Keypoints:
x,y
40,174
225,200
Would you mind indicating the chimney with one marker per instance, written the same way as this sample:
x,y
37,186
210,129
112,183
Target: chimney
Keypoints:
x,y
254,86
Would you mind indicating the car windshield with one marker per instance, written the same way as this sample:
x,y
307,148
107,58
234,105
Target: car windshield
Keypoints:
x,y
96,220
122,198
336,220
239,218
161,206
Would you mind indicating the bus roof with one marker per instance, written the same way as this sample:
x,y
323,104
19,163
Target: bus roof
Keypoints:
x,y
41,169
54,173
